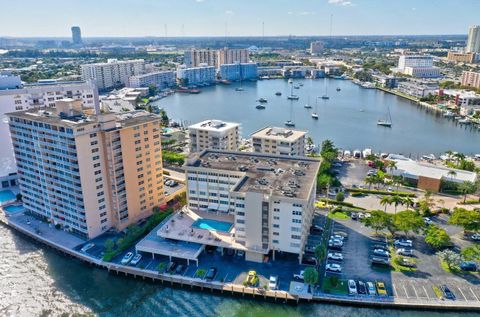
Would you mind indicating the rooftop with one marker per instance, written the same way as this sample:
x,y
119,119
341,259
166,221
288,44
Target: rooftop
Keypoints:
x,y
279,175
214,125
280,134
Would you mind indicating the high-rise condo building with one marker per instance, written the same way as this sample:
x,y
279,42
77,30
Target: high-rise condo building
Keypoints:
x,y
316,47
473,41
113,73
161,80
76,35
279,141
194,57
232,56
214,134
236,72
202,75
87,172
470,79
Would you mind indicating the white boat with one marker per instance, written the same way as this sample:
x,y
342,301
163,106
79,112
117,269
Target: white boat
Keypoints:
x,y
290,81
239,89
387,122
307,105
449,114
289,123
260,106
315,115
292,96
366,152
465,121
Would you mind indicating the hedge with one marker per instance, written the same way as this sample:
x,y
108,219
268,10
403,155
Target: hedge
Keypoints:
x,y
381,192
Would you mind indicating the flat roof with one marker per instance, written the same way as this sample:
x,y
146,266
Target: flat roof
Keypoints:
x,y
279,175
214,125
279,134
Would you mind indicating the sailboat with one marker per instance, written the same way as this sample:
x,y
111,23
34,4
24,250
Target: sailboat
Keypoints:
x,y
387,122
314,114
292,96
290,123
307,105
325,96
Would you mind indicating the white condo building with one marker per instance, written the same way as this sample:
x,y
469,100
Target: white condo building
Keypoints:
x,y
316,47
473,42
238,71
34,96
214,134
113,73
194,57
203,75
232,56
161,80
279,141
420,66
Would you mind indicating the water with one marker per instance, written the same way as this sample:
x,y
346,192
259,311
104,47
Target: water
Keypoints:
x,y
215,225
35,281
13,208
349,118
6,195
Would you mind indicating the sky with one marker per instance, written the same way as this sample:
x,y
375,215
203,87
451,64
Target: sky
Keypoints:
x,y
37,18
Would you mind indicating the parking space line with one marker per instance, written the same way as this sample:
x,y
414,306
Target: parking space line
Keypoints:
x,y
464,297
425,290
474,295
405,289
395,293
414,290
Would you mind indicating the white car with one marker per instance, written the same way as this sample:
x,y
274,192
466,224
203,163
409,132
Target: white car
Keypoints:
x,y
403,243
127,258
333,267
381,252
273,282
427,221
476,236
404,252
337,237
371,289
299,276
352,287
337,256
87,247
136,259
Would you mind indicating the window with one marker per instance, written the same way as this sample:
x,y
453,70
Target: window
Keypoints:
x,y
297,220
296,213
296,229
276,233
275,241
276,225
295,245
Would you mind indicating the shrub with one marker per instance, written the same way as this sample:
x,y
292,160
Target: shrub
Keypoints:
x,y
58,226
381,192
340,197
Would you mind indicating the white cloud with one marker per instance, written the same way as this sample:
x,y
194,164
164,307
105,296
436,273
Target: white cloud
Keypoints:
x,y
344,3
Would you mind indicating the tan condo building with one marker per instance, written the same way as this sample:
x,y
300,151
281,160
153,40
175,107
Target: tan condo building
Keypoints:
x,y
215,135
280,141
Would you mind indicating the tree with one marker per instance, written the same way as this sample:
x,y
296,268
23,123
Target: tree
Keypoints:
x,y
471,253
437,237
310,276
319,253
152,90
451,174
467,188
451,258
426,204
378,220
408,201
408,220
109,245
396,200
340,197
386,200
370,180
468,219
165,120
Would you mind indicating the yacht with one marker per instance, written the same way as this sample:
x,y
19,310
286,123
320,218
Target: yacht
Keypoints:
x,y
293,97
290,81
465,121
449,114
260,107
387,122
315,115
338,89
307,105
325,97
239,89
278,93
262,100
301,84
289,123
296,87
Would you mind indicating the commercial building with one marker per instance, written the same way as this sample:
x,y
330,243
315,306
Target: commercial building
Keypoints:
x,y
232,56
414,61
113,73
9,81
461,57
418,88
203,75
470,79
236,72
161,80
85,172
195,58
214,134
29,97
122,100
76,35
279,141
316,47
467,101
422,72
427,176
473,41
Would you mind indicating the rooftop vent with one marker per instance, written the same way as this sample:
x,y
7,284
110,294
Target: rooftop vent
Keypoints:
x,y
262,181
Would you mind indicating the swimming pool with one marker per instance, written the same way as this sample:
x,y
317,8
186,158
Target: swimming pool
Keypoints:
x,y
214,225
13,208
7,195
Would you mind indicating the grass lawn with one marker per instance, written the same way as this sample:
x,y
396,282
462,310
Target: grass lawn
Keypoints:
x,y
339,215
340,288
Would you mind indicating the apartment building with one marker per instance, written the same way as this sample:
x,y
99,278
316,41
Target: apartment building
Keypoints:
x,y
214,134
202,75
422,72
414,61
238,71
461,57
161,80
316,47
232,56
418,88
87,172
470,79
18,97
113,73
195,58
266,202
279,141
473,41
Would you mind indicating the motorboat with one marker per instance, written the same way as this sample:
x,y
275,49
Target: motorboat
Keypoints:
x,y
293,97
307,106
290,81
239,89
315,115
260,107
289,123
278,93
449,114
338,89
325,97
262,100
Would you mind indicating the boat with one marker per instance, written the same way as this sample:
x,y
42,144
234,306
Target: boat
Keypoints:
x,y
239,89
387,122
338,89
290,81
292,96
449,114
262,100
325,97
260,107
315,115
296,87
278,93
307,105
465,121
289,123
301,84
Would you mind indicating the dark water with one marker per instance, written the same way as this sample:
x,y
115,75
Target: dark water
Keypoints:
x,y
348,118
40,282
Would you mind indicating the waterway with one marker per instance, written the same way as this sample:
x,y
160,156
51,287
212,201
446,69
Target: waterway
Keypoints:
x,y
36,281
349,117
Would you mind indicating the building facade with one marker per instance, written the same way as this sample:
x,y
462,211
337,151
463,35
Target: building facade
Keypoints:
x,y
194,58
461,57
279,141
237,72
473,41
214,134
161,80
87,173
9,81
470,79
422,72
203,75
418,88
76,35
113,73
232,56
414,61
316,47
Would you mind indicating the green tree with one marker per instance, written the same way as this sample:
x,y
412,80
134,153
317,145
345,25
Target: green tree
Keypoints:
x,y
408,201
340,197
386,200
426,204
467,188
409,220
378,220
437,237
450,258
471,253
165,119
152,90
396,200
320,253
109,245
310,276
468,219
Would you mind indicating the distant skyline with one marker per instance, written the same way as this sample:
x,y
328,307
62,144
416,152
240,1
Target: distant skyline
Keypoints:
x,y
127,18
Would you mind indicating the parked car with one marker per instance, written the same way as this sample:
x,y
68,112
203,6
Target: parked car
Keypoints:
x,y
361,215
273,282
180,268
404,252
447,292
377,260
136,259
210,275
335,245
468,266
371,289
381,290
337,237
299,276
87,247
380,246
381,252
361,288
171,266
127,258
309,260
428,221
476,236
316,229
352,287
403,243
407,262
336,256
354,216
333,267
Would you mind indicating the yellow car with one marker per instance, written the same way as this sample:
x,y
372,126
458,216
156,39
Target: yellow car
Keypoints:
x,y
381,290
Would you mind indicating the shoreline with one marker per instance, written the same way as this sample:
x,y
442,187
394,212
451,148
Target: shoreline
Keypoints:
x,y
239,291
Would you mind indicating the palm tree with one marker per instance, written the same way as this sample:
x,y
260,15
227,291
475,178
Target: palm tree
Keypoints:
x,y
392,165
467,188
370,180
451,174
396,200
408,201
386,200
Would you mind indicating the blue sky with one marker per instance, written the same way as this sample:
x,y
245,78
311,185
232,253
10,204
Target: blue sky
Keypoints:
x,y
242,17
